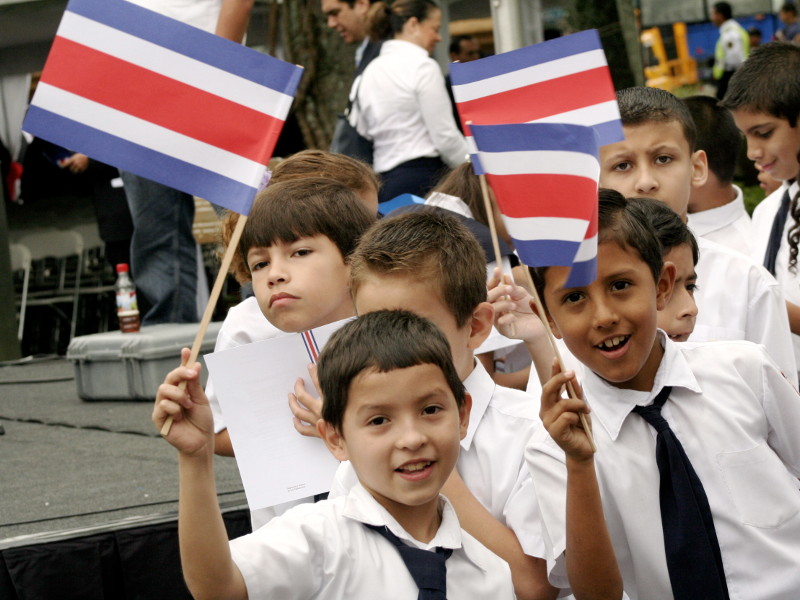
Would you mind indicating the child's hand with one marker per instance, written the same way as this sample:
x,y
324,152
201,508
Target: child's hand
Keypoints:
x,y
192,431
514,317
307,409
561,415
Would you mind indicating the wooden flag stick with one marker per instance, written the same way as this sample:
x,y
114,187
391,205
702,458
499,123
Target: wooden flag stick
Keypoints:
x,y
212,303
570,389
490,217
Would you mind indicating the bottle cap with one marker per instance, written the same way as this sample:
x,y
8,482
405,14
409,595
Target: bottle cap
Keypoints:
x,y
122,268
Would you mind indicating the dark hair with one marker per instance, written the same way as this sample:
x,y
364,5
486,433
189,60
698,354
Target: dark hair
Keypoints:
x,y
643,105
464,184
289,210
618,221
382,341
455,43
671,230
426,245
768,82
724,9
385,19
717,134
788,7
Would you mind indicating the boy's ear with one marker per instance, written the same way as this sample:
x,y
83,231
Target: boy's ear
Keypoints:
x,y
480,324
333,439
665,285
463,415
553,327
699,168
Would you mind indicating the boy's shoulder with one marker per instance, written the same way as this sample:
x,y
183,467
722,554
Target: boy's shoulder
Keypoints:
x,y
487,395
717,261
767,208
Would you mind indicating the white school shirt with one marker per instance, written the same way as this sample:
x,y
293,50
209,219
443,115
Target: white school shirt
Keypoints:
x,y
763,216
729,224
199,13
492,458
323,550
738,299
403,107
738,420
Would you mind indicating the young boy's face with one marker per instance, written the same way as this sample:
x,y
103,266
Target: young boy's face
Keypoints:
x,y
401,431
301,285
772,143
610,325
677,318
392,292
654,161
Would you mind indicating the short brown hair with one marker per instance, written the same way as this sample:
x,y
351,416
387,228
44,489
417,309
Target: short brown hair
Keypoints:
x,y
426,244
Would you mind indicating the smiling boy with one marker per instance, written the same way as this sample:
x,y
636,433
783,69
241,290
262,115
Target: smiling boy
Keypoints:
x,y
395,407
727,405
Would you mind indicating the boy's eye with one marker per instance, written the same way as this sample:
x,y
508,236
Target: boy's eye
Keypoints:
x,y
259,265
375,421
431,410
691,288
302,252
764,135
572,297
623,166
663,159
618,286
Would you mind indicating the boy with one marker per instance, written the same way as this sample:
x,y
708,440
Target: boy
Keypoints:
x,y
679,247
733,412
430,264
738,300
716,208
765,102
394,407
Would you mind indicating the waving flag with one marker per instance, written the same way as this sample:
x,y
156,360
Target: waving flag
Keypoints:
x,y
159,98
545,176
565,80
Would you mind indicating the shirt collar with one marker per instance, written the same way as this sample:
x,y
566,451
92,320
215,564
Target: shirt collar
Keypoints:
x,y
360,50
480,385
395,46
612,405
706,221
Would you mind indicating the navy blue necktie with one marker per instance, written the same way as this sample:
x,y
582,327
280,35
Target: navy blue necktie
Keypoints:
x,y
694,561
776,233
427,568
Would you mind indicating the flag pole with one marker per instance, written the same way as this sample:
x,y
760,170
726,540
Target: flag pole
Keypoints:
x,y
222,274
487,203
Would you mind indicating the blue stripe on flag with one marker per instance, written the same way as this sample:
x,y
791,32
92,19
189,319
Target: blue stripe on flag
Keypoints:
x,y
508,62
535,136
543,253
583,273
142,161
193,42
609,132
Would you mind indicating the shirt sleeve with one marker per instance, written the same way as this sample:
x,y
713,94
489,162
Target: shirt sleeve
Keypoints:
x,y
437,114
782,408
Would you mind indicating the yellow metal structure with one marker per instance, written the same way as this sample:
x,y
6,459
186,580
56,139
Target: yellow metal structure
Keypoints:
x,y
668,73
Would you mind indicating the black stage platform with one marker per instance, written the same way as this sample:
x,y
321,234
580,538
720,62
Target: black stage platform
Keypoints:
x,y
88,493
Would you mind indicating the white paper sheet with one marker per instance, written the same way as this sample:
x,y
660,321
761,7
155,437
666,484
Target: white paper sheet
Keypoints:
x,y
252,383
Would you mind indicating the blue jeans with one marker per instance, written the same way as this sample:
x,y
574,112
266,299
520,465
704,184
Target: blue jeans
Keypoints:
x,y
163,250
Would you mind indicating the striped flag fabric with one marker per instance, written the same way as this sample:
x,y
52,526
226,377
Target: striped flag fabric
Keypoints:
x,y
310,343
545,178
162,99
565,80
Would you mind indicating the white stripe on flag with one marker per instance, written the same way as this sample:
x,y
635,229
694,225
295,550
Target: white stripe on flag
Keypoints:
x,y
547,162
149,135
553,69
587,250
174,65
588,115
546,228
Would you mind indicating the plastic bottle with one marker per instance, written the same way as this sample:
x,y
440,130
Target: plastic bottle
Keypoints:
x,y
127,308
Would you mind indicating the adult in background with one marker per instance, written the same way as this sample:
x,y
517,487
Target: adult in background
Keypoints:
x,y
164,253
790,32
463,48
733,46
401,101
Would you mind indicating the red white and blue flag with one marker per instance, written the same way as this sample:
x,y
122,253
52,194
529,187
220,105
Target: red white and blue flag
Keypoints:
x,y
310,342
545,178
565,80
159,98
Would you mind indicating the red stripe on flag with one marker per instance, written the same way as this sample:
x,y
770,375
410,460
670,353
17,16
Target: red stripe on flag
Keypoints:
x,y
545,195
182,108
540,100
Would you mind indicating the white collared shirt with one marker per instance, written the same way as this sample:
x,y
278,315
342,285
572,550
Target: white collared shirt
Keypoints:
x,y
403,107
738,299
199,13
763,216
729,224
323,550
738,420
492,458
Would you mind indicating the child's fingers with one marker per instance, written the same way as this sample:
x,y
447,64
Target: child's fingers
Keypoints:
x,y
305,429
495,278
312,372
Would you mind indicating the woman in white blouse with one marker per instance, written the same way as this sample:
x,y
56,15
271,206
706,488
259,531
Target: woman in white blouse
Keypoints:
x,y
400,101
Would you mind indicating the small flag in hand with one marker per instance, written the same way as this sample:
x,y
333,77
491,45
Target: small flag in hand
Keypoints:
x,y
544,176
159,98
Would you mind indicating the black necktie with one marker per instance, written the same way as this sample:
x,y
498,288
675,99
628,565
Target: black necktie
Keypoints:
x,y
690,540
776,233
427,568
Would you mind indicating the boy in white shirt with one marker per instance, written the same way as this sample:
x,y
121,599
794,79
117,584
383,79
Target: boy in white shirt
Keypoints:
x,y
736,298
395,407
729,407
